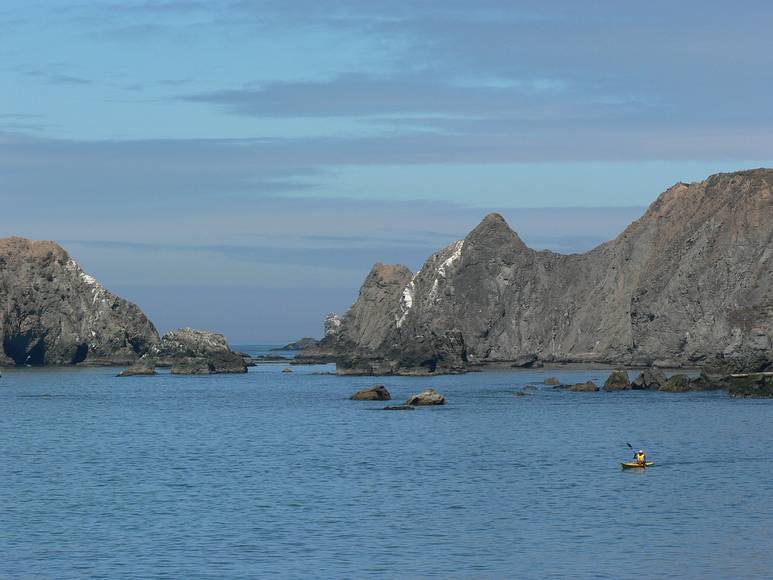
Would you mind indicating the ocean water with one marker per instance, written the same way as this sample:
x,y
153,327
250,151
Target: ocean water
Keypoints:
x,y
273,474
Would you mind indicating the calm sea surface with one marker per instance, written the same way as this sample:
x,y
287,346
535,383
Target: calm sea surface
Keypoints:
x,y
278,474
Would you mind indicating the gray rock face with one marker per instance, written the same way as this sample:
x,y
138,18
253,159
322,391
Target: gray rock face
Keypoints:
x,y
690,279
190,351
374,393
649,379
52,312
617,381
743,362
332,324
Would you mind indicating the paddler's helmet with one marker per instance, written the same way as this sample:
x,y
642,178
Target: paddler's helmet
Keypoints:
x,y
640,451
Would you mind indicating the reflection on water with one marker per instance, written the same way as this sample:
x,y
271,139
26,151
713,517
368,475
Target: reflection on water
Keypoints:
x,y
275,473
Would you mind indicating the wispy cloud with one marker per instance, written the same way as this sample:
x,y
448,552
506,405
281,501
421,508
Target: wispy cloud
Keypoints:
x,y
61,79
53,74
363,95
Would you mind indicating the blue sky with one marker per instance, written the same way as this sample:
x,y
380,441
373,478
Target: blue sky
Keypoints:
x,y
239,165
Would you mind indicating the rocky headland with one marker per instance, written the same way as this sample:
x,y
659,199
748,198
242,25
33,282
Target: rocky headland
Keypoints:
x,y
300,344
689,283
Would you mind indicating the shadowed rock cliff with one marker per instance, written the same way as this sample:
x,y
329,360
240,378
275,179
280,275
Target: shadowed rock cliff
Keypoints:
x,y
691,279
55,313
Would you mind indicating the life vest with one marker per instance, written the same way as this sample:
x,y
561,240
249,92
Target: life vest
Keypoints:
x,y
640,458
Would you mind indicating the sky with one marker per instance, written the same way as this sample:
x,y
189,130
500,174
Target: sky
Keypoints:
x,y
239,165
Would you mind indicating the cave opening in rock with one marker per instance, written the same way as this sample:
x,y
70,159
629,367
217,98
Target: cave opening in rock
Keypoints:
x,y
430,364
80,353
17,348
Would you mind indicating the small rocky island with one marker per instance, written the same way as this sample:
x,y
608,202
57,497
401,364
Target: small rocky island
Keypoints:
x,y
190,352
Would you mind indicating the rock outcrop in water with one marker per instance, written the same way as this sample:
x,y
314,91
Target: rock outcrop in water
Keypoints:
x,y
677,383
427,397
195,352
649,379
691,279
141,368
586,387
374,393
751,385
617,381
52,312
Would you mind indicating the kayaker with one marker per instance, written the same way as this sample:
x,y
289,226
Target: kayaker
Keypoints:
x,y
640,458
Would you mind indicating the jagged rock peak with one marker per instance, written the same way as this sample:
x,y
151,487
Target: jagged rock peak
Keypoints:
x,y
494,231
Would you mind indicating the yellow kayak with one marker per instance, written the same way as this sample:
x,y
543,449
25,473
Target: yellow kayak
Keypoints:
x,y
634,465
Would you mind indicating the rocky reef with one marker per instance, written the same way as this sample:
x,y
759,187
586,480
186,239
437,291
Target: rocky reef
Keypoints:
x,y
690,280
54,313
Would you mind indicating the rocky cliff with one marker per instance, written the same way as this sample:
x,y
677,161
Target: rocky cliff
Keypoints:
x,y
52,312
689,280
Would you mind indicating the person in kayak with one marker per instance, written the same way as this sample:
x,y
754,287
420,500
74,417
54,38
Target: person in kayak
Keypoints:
x,y
640,458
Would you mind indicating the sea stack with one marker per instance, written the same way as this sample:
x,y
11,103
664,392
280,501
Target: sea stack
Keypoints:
x,y
54,313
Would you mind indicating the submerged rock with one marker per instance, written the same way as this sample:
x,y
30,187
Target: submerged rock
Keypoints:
x,y
374,393
399,408
426,397
617,381
143,367
676,384
552,381
649,379
287,370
